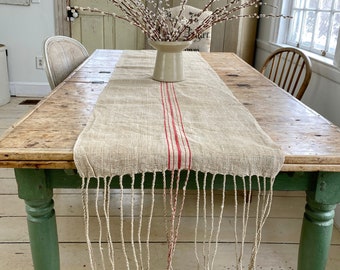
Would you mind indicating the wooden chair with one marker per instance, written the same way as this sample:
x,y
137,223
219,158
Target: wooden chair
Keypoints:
x,y
62,55
290,69
202,43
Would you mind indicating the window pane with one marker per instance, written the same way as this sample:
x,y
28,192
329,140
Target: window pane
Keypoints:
x,y
308,29
326,4
334,33
321,30
313,4
299,3
295,25
337,4
315,25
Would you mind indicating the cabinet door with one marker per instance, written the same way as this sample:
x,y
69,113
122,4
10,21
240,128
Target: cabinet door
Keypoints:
x,y
98,31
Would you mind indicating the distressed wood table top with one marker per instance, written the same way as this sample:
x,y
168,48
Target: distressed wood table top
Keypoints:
x,y
46,136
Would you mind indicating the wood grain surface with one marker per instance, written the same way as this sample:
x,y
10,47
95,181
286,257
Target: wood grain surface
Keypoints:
x,y
45,137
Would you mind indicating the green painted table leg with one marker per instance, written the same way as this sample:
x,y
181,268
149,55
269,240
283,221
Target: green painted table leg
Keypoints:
x,y
42,231
316,235
34,188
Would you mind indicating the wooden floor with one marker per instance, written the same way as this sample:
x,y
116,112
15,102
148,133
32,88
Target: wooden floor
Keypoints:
x,y
278,249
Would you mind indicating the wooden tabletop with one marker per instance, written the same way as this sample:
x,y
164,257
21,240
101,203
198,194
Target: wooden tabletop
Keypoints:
x,y
46,136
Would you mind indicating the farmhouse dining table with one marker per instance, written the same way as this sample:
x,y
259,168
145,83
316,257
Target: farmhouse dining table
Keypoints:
x,y
40,149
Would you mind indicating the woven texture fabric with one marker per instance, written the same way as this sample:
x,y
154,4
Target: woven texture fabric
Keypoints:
x,y
141,125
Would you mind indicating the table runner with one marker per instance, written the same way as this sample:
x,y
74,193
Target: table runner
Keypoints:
x,y
140,125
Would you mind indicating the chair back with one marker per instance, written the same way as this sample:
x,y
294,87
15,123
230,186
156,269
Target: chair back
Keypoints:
x,y
201,43
290,69
62,55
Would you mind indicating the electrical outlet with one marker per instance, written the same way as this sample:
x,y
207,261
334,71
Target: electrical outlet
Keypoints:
x,y
39,62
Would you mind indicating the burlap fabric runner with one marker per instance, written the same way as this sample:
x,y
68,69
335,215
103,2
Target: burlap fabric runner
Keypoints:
x,y
140,125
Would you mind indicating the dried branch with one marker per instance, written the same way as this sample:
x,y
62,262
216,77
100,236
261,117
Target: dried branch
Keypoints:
x,y
157,22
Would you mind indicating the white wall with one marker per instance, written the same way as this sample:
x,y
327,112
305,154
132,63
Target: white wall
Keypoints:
x,y
22,30
323,92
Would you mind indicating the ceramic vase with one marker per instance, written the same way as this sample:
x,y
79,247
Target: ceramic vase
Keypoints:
x,y
169,60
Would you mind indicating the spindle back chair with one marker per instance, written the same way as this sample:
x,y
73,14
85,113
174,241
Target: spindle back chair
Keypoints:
x,y
290,69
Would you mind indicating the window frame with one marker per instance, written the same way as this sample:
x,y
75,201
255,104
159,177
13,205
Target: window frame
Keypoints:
x,y
282,35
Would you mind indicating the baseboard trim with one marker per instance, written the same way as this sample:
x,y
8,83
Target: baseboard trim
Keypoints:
x,y
28,89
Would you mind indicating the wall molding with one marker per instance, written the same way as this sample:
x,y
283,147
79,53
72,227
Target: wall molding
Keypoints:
x,y
16,2
28,89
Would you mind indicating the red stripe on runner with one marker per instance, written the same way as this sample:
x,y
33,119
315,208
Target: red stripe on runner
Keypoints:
x,y
165,122
179,151
180,118
176,138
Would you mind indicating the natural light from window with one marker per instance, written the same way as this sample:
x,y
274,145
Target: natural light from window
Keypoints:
x,y
315,26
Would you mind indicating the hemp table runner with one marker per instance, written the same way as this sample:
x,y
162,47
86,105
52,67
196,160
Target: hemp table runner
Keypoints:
x,y
140,125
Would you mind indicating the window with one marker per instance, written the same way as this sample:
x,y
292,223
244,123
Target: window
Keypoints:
x,y
315,25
